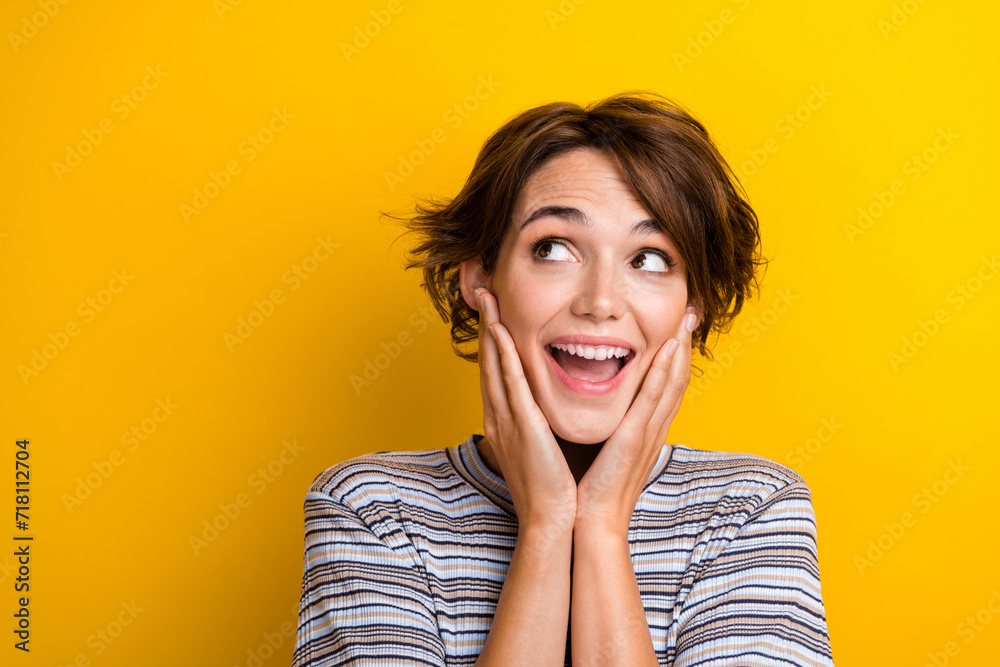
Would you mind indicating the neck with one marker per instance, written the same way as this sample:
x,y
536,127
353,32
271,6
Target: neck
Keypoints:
x,y
578,456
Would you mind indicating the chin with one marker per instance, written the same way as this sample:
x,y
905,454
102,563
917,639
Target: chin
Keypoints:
x,y
584,431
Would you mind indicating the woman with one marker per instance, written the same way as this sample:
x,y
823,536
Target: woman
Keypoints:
x,y
589,251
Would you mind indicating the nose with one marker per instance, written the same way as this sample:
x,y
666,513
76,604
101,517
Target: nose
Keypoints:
x,y
600,292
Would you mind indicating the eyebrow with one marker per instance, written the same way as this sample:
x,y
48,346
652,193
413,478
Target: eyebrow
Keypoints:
x,y
570,214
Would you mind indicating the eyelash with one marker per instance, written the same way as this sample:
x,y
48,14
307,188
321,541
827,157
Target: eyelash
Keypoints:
x,y
552,239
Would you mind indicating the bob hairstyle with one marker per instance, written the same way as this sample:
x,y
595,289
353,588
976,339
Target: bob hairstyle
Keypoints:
x,y
667,158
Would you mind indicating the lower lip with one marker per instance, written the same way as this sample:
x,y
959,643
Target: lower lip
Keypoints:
x,y
583,387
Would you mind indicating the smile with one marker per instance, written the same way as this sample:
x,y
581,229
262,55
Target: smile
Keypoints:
x,y
589,366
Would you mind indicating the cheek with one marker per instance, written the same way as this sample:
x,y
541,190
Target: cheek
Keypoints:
x,y
662,321
525,306
524,315
519,324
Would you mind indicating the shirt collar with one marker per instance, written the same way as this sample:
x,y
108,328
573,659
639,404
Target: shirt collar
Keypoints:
x,y
472,468
470,465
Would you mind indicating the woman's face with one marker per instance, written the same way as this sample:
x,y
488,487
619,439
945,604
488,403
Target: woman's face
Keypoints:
x,y
581,265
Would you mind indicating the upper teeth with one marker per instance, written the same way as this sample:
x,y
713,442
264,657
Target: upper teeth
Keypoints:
x,y
599,353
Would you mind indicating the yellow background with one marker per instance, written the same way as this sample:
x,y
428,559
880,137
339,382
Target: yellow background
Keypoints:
x,y
892,77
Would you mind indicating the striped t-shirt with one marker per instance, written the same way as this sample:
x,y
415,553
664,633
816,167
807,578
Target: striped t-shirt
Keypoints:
x,y
406,553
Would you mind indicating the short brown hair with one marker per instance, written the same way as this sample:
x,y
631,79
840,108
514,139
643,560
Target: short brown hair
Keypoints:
x,y
668,159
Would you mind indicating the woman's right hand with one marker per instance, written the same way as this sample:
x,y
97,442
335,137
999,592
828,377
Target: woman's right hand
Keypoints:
x,y
541,484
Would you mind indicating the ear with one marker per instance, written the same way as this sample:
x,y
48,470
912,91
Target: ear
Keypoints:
x,y
471,277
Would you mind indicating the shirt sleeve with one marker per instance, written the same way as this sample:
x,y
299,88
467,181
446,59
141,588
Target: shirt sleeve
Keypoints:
x,y
758,602
363,601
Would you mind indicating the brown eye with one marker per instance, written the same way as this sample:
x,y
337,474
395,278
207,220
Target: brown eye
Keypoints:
x,y
659,264
550,249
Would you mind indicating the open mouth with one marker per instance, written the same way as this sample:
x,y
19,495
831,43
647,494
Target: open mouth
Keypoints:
x,y
594,364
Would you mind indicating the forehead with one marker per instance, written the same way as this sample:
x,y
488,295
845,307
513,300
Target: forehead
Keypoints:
x,y
588,182
584,173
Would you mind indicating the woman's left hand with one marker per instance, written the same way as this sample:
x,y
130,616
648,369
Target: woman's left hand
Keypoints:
x,y
608,492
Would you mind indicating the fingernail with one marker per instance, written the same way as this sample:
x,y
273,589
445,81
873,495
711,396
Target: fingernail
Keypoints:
x,y
672,347
493,331
691,321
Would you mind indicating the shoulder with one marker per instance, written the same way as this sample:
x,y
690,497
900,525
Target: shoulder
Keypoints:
x,y
382,493
742,482
379,472
729,507
732,465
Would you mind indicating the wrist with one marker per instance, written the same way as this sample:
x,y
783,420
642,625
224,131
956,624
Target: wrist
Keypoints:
x,y
546,539
548,525
600,531
558,515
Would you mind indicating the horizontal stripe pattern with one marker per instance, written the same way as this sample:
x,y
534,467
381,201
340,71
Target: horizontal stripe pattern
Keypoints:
x,y
406,554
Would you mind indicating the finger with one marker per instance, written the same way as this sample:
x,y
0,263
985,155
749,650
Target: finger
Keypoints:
x,y
489,415
516,391
679,376
492,365
665,381
652,393
485,353
519,397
